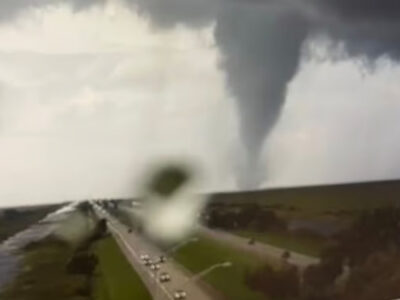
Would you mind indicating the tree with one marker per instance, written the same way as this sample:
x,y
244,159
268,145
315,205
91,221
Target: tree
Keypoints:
x,y
373,231
99,231
82,263
85,208
378,278
10,213
280,284
370,249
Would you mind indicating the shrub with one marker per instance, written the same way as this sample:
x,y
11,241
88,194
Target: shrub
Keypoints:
x,y
281,284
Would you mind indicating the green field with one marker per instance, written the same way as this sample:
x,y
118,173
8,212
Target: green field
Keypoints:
x,y
116,278
308,245
321,199
229,281
43,275
13,220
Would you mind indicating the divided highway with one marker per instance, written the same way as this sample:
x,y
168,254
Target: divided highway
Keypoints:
x,y
134,246
260,249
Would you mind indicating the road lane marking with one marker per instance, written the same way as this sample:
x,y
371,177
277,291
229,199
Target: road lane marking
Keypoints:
x,y
135,256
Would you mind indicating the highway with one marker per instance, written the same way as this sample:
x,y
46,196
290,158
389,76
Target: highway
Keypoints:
x,y
259,249
134,245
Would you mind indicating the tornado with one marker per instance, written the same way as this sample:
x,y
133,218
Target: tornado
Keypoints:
x,y
261,45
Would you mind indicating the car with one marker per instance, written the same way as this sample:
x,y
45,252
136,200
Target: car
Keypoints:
x,y
286,255
148,262
155,267
144,257
252,241
179,294
164,277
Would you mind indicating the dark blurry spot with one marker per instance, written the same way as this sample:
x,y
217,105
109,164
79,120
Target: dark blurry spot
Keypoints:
x,y
168,180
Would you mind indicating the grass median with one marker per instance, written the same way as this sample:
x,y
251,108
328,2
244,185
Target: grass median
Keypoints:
x,y
229,281
116,278
308,245
43,274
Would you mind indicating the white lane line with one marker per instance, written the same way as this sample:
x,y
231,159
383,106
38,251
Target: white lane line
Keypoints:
x,y
135,255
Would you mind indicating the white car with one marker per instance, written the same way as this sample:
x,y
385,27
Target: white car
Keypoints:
x,y
165,277
179,294
144,257
155,267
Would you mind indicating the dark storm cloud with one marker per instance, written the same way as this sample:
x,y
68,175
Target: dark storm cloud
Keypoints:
x,y
258,62
167,13
11,8
261,43
361,9
261,47
368,28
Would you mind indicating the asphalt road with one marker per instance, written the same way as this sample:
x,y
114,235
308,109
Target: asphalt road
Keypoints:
x,y
259,249
134,245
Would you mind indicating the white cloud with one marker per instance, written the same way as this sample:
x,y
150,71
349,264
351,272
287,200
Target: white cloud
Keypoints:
x,y
89,101
339,124
60,29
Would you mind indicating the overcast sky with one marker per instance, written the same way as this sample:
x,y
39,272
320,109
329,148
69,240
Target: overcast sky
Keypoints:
x,y
90,98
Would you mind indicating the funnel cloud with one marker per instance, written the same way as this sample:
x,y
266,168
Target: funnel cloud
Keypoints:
x,y
259,64
261,46
261,43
